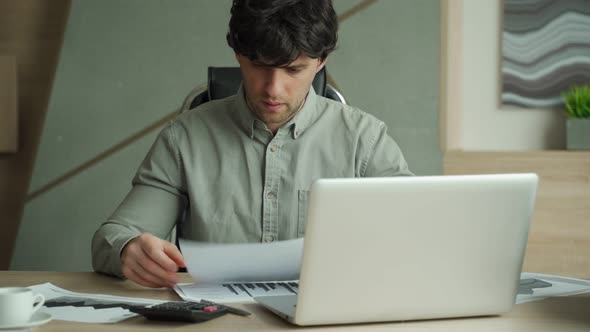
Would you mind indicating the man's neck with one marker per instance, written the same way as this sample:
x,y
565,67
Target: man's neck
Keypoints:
x,y
274,128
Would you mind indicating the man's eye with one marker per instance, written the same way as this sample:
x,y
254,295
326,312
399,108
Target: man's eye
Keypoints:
x,y
293,70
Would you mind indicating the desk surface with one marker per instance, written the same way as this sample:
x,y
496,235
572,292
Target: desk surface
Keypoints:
x,y
557,314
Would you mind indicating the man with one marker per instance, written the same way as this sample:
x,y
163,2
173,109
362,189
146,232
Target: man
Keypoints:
x,y
239,169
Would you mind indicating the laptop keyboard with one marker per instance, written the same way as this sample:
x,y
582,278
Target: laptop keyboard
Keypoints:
x,y
263,288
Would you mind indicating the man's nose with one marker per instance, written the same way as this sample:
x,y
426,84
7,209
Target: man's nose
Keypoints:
x,y
274,83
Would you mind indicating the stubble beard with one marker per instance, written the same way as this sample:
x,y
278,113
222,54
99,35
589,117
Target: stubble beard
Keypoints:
x,y
280,118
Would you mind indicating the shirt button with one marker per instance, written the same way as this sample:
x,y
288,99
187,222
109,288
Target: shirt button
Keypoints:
x,y
273,148
268,238
271,195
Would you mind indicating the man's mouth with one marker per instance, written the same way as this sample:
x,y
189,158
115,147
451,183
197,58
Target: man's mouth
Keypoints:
x,y
272,106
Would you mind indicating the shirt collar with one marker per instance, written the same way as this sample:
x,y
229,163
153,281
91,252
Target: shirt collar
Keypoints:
x,y
306,116
246,118
300,122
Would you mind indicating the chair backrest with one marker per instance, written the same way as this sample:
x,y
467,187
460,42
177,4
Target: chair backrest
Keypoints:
x,y
225,81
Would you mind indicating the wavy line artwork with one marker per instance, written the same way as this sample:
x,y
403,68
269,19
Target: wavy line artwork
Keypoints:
x,y
545,50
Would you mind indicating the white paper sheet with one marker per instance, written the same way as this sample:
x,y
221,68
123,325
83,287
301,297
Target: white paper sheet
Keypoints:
x,y
235,292
87,314
216,263
560,286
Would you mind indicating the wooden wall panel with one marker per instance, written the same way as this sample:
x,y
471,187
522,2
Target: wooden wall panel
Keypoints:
x,y
559,239
451,75
8,115
32,31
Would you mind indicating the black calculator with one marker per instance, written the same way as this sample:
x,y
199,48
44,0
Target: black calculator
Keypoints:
x,y
186,311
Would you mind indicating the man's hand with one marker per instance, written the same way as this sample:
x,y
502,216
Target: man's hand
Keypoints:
x,y
151,261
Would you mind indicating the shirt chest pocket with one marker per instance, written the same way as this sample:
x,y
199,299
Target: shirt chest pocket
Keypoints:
x,y
303,197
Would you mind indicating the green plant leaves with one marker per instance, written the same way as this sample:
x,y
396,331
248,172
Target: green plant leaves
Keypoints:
x,y
577,101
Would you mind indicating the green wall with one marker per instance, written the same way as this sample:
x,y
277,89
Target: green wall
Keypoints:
x,y
387,63
127,64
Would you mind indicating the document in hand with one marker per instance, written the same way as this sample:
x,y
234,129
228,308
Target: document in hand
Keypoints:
x,y
238,272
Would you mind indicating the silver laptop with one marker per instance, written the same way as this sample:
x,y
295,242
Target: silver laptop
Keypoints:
x,y
389,249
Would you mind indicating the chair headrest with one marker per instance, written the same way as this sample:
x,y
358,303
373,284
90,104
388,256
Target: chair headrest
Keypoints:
x,y
225,81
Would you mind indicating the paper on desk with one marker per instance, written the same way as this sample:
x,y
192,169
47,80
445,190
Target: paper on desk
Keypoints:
x,y
87,308
558,286
235,292
214,263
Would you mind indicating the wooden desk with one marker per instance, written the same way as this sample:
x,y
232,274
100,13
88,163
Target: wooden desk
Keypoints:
x,y
558,314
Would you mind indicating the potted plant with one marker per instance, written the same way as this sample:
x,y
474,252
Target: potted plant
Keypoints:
x,y
577,104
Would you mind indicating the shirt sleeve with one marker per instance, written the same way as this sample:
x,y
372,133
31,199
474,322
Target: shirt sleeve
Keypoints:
x,y
384,157
154,204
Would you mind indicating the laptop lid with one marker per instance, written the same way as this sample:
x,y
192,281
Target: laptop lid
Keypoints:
x,y
385,249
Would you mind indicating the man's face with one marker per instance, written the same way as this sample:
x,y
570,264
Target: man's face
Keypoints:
x,y
275,94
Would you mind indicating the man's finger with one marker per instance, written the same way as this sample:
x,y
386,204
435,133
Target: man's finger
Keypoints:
x,y
150,267
157,255
152,275
174,254
133,276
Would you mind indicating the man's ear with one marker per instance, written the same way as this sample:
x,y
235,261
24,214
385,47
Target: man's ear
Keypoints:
x,y
321,64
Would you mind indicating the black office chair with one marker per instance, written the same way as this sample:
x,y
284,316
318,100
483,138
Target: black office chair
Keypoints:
x,y
225,81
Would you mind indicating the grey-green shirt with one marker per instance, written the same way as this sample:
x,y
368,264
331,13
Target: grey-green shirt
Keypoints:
x,y
227,178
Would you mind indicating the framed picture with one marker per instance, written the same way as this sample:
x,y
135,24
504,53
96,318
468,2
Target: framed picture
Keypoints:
x,y
545,50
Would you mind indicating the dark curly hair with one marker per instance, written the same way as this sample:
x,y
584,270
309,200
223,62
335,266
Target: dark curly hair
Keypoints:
x,y
276,32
